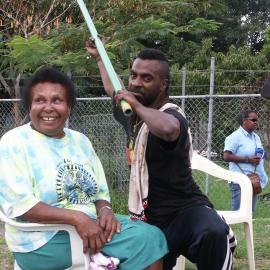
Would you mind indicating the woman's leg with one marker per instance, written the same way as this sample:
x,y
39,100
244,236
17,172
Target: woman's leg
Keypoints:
x,y
138,246
56,254
157,265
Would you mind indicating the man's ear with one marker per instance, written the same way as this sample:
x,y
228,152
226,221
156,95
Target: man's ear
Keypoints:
x,y
165,85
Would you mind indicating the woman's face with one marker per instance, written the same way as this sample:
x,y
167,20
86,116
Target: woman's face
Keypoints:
x,y
250,123
49,109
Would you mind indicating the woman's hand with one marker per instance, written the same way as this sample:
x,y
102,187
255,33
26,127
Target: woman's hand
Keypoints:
x,y
108,222
90,232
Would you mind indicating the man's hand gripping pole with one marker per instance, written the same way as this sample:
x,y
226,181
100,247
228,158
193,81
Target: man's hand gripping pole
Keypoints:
x,y
104,57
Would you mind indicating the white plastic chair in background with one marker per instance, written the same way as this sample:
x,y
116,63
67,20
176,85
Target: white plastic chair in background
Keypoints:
x,y
80,261
243,215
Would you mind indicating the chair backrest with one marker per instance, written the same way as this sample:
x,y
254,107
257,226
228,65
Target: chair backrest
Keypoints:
x,y
243,215
203,164
80,261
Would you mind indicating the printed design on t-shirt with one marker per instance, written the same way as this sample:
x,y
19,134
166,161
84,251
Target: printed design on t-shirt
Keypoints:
x,y
75,183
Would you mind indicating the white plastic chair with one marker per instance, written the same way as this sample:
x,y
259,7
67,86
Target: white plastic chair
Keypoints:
x,y
80,261
243,215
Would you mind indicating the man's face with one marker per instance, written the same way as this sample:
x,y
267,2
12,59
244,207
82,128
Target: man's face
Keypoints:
x,y
146,79
250,123
49,108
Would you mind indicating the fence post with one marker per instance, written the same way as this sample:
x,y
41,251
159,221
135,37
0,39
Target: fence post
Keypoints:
x,y
184,75
210,117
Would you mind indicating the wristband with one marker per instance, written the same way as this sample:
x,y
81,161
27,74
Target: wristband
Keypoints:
x,y
98,59
104,207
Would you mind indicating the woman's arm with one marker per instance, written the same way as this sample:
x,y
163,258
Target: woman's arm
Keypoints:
x,y
88,229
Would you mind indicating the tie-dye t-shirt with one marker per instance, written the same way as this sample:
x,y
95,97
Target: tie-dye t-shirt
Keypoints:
x,y
64,173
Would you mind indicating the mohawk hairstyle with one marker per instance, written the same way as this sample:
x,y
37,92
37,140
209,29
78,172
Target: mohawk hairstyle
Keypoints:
x,y
155,54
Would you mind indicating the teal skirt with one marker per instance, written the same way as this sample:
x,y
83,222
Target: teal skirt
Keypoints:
x,y
137,246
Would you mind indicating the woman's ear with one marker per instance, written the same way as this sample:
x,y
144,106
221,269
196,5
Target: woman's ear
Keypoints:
x,y
69,111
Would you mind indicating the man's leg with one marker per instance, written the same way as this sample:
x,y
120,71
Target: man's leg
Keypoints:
x,y
200,235
254,202
236,196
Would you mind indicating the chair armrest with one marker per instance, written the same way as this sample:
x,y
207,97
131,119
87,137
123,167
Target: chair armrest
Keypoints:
x,y
78,257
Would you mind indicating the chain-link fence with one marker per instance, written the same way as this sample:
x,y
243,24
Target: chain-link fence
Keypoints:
x,y
210,123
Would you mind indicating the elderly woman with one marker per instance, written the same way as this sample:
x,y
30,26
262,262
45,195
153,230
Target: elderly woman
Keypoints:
x,y
51,174
240,150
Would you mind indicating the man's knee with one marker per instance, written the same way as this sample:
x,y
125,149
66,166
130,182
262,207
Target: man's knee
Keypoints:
x,y
216,235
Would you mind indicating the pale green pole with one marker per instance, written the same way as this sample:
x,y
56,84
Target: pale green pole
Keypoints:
x,y
104,56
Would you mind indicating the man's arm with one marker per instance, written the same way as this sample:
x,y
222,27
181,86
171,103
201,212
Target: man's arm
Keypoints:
x,y
230,157
161,124
92,50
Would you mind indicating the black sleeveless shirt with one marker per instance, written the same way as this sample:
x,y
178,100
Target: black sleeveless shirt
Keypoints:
x,y
171,185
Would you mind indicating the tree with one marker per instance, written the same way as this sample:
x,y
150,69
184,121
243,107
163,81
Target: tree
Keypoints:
x,y
243,23
189,31
26,19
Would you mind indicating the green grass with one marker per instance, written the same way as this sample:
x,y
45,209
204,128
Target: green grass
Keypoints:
x,y
6,261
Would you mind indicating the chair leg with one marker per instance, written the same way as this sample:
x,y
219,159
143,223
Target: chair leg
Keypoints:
x,y
250,246
16,266
180,263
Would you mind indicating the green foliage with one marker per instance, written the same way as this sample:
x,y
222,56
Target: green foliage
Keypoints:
x,y
239,59
266,48
199,67
30,53
190,32
4,56
200,25
134,36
